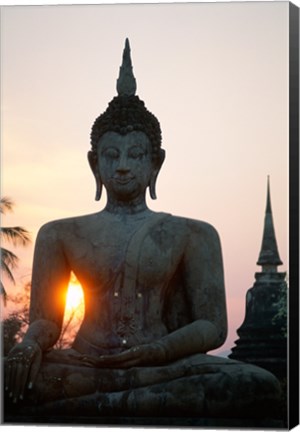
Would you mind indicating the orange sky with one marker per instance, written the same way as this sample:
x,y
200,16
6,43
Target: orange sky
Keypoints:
x,y
216,76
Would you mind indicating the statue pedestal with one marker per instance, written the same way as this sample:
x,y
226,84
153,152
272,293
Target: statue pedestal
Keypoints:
x,y
201,390
267,423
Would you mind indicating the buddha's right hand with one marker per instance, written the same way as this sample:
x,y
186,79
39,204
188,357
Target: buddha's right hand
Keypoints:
x,y
22,366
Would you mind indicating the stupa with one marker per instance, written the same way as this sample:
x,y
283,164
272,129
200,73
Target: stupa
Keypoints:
x,y
262,336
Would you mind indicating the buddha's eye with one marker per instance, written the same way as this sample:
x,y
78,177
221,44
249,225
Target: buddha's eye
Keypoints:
x,y
136,153
111,153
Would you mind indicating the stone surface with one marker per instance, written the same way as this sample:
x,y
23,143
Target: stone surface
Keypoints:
x,y
262,340
262,335
126,83
200,386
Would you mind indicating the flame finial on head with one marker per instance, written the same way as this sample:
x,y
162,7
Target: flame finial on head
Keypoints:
x,y
126,83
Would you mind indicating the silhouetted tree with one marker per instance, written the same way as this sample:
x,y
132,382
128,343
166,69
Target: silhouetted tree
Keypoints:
x,y
281,315
11,327
17,236
15,325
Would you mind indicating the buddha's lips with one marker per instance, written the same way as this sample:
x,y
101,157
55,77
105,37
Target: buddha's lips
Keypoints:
x,y
122,180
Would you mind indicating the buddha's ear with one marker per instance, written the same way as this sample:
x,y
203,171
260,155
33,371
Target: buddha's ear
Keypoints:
x,y
155,172
93,162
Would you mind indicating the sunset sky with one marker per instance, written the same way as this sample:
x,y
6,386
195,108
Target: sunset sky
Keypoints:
x,y
215,75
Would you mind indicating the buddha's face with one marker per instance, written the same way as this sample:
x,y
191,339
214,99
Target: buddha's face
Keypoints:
x,y
125,164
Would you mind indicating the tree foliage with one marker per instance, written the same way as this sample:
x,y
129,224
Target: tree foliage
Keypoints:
x,y
281,317
11,328
18,236
16,324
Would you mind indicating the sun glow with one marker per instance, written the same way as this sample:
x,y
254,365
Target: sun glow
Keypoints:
x,y
74,313
74,298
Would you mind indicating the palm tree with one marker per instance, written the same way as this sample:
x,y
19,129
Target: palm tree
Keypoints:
x,y
15,235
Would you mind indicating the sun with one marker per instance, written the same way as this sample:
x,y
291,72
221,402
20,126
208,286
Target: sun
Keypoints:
x,y
74,298
74,312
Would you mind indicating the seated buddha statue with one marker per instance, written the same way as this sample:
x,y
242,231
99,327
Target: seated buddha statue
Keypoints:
x,y
153,291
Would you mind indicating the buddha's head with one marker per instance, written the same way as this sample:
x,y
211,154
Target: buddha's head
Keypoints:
x,y
126,121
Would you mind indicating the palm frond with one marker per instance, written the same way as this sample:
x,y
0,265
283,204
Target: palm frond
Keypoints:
x,y
6,270
17,235
3,293
8,261
6,204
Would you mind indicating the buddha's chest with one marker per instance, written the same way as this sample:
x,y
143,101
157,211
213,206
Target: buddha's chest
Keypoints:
x,y
146,253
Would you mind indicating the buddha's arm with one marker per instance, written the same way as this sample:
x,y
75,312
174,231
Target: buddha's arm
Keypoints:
x,y
204,286
49,283
48,290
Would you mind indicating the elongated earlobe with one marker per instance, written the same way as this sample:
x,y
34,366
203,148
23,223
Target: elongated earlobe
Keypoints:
x,y
98,190
152,187
92,158
153,179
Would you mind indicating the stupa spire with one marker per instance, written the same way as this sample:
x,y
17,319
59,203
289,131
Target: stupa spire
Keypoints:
x,y
269,256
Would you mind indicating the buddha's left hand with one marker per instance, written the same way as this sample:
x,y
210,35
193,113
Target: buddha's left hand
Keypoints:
x,y
23,363
142,355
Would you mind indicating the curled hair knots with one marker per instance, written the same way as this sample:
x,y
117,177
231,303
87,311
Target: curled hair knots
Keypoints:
x,y
124,115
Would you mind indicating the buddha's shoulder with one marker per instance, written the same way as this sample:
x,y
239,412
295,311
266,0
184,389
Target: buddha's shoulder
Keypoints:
x,y
192,226
83,225
67,225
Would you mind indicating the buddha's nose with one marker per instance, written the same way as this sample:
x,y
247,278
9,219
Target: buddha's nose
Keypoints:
x,y
123,165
